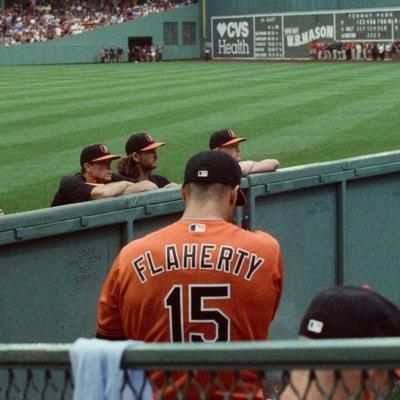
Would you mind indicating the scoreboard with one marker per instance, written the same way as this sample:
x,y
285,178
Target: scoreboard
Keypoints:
x,y
276,36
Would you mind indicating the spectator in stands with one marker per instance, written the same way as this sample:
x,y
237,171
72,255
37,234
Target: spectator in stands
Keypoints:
x,y
226,140
120,53
96,180
344,313
313,49
103,55
152,53
381,51
159,52
141,160
112,54
200,279
207,52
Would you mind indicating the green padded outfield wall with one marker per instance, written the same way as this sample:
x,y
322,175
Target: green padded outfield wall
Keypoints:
x,y
85,48
337,223
285,30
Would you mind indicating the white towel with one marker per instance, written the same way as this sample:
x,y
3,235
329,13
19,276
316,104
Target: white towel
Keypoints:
x,y
97,373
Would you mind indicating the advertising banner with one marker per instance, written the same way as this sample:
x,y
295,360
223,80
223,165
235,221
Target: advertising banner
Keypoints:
x,y
301,30
233,37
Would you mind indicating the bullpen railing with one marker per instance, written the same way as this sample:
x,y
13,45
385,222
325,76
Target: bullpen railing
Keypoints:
x,y
43,371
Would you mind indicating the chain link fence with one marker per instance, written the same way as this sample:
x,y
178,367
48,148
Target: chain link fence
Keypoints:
x,y
287,370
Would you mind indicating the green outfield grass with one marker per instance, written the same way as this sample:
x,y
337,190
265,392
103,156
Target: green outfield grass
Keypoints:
x,y
297,112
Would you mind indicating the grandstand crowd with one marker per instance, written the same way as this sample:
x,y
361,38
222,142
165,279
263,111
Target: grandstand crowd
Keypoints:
x,y
33,21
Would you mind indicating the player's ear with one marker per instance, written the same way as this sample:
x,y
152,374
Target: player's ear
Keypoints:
x,y
86,167
233,196
135,156
183,190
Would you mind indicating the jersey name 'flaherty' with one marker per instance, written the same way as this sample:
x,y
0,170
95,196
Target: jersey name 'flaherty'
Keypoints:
x,y
201,256
214,254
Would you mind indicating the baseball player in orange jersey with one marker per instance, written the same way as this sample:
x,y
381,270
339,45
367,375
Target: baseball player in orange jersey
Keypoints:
x,y
201,279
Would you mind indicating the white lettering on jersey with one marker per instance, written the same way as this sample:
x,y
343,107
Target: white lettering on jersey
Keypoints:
x,y
196,256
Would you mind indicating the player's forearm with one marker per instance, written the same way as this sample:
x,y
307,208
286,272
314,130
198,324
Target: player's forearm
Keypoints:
x,y
264,166
267,165
109,190
142,186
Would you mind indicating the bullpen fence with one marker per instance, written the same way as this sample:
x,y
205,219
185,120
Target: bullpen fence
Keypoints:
x,y
337,223
43,371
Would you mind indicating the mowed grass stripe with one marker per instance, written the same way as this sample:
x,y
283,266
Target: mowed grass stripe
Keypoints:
x,y
138,88
84,89
49,124
74,108
81,106
244,110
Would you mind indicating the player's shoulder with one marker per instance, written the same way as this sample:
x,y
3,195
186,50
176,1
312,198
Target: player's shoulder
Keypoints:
x,y
70,179
115,177
260,238
156,237
159,180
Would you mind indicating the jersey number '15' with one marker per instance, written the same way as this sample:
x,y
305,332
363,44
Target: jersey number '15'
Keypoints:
x,y
198,312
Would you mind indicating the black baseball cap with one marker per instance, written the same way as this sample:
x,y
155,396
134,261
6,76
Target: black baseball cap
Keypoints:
x,y
214,167
224,137
141,142
96,152
350,312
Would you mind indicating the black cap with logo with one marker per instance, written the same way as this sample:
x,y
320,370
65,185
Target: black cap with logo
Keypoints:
x,y
350,312
141,142
95,153
224,137
214,167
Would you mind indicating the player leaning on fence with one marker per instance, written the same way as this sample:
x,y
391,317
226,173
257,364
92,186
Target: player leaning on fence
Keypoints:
x,y
200,279
225,140
96,180
141,160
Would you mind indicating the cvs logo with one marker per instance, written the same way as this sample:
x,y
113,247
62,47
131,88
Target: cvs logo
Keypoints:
x,y
233,29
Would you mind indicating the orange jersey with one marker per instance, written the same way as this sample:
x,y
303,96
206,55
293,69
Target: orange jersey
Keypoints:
x,y
193,281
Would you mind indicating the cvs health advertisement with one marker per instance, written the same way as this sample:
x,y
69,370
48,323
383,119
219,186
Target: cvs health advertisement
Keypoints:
x,y
233,37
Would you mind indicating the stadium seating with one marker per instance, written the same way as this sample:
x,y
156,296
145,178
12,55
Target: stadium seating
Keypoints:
x,y
51,19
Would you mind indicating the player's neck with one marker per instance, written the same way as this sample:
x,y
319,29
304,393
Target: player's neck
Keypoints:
x,y
204,213
202,219
144,174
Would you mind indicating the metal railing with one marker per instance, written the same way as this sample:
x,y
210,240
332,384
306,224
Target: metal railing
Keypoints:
x,y
294,369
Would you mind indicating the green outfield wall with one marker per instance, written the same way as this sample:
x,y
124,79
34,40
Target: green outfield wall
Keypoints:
x,y
85,47
337,222
259,29
239,7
